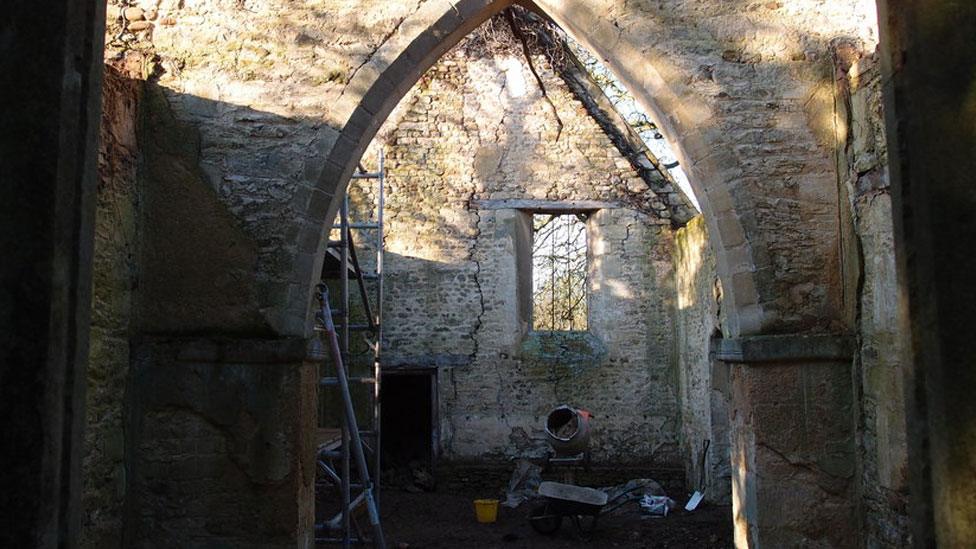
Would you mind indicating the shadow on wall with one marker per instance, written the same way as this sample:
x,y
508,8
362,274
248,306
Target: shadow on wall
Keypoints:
x,y
197,262
248,57
173,270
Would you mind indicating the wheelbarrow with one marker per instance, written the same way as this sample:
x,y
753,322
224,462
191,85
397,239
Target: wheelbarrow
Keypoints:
x,y
583,506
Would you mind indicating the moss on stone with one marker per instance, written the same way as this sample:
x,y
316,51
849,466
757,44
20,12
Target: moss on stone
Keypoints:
x,y
564,353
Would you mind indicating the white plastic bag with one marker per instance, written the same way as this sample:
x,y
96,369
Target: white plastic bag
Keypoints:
x,y
658,506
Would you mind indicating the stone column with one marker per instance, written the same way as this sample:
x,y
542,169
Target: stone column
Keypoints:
x,y
220,444
792,431
50,89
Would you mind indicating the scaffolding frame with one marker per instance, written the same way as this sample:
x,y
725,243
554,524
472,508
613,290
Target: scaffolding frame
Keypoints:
x,y
335,456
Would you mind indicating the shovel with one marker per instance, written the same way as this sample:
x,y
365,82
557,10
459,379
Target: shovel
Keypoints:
x,y
697,497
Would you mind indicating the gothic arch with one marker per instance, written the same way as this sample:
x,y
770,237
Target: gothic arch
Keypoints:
x,y
397,65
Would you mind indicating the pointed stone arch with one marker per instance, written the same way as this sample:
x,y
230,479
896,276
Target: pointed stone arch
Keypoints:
x,y
422,38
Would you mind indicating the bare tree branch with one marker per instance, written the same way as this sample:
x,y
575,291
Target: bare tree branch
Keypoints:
x,y
528,58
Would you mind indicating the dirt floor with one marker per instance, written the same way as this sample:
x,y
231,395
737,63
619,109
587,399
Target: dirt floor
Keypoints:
x,y
417,516
447,520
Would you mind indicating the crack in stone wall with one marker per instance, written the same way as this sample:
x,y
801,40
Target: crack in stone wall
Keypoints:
x,y
386,37
473,257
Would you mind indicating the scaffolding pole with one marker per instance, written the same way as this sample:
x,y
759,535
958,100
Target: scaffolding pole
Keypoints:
x,y
353,444
351,426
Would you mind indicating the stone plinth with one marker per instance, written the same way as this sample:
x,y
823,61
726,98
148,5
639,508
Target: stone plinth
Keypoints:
x,y
220,444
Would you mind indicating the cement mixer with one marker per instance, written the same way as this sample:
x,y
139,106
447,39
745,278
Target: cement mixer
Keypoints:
x,y
568,431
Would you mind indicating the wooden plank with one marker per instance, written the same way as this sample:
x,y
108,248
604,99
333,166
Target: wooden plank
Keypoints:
x,y
544,206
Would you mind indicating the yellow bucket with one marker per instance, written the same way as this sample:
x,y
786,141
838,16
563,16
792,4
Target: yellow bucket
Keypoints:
x,y
486,510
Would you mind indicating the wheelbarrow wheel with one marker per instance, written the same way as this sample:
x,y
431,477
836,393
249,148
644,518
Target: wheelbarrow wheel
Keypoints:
x,y
585,525
545,522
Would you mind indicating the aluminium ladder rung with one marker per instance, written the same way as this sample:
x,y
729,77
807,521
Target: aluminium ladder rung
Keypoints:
x,y
336,454
359,226
332,381
339,313
352,328
336,541
353,485
334,474
335,522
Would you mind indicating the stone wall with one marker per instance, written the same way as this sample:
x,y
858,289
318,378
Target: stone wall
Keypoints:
x,y
702,382
474,138
115,271
879,309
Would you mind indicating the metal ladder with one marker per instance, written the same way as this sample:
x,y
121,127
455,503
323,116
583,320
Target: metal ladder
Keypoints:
x,y
361,447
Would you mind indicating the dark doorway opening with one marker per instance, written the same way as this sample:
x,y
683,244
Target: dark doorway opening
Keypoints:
x,y
409,419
